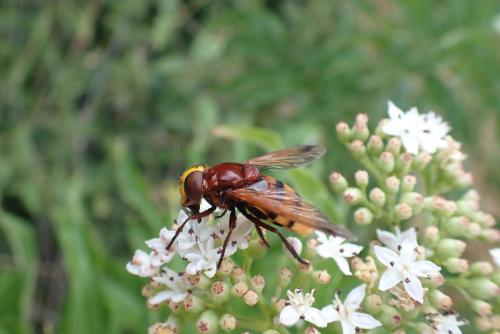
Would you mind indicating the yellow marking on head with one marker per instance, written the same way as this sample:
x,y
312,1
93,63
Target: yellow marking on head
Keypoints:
x,y
183,177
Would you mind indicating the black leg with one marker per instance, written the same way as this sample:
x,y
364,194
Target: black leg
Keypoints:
x,y
232,225
261,235
221,215
272,229
193,216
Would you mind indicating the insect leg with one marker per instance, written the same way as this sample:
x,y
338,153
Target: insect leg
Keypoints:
x,y
272,229
232,225
257,227
221,215
193,216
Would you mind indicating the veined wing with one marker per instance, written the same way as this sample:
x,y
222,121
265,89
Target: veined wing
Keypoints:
x,y
288,158
274,200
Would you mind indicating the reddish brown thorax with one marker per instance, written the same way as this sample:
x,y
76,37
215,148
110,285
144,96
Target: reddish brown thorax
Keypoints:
x,y
229,175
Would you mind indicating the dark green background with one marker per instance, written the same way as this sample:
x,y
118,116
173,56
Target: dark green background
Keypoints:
x,y
104,103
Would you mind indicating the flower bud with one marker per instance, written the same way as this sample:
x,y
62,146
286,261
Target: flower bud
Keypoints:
x,y
375,145
481,268
442,207
472,195
174,307
310,251
392,184
481,307
466,208
339,183
389,317
219,292
256,248
482,288
360,130
251,298
193,304
450,248
408,183
311,330
456,265
403,163
280,304
495,277
414,200
171,326
403,211
373,303
431,235
394,146
321,276
207,323
258,283
421,161
353,196
464,180
240,288
357,148
491,235
440,300
386,162
285,276
271,331
226,267
377,197
238,274
435,280
227,322
343,132
363,216
362,178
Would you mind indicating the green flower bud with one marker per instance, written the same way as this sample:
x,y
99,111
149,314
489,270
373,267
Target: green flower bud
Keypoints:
x,y
353,196
450,248
375,145
414,200
285,276
321,276
456,226
362,178
466,208
435,280
421,161
343,132
373,303
431,235
219,292
495,277
339,183
378,130
389,317
403,211
394,146
456,265
226,267
483,308
392,184
464,180
171,326
386,162
404,163
208,323
363,216
227,322
258,283
193,304
360,130
490,234
408,183
251,298
256,248
311,330
238,274
239,289
481,268
357,148
442,207
482,288
440,300
377,197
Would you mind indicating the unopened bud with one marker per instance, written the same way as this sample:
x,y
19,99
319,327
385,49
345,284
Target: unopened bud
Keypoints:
x,y
343,132
321,276
311,330
394,146
207,323
363,216
434,280
377,197
482,308
456,265
421,161
240,288
414,200
482,288
375,145
403,211
360,130
392,184
362,178
408,183
256,248
389,317
456,226
481,268
169,327
353,196
238,274
280,304
443,208
491,235
251,298
464,180
386,162
219,292
339,183
357,148
258,283
450,248
174,307
404,163
193,304
440,300
226,267
373,303
431,235
227,322
285,276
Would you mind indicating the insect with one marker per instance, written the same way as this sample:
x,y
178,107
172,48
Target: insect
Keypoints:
x,y
260,198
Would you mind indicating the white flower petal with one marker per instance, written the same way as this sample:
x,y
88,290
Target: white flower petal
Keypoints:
x,y
424,268
343,264
330,314
347,327
161,297
355,297
350,249
409,236
389,279
289,315
179,297
410,143
324,250
365,321
296,244
413,287
387,238
495,254
386,256
393,111
314,316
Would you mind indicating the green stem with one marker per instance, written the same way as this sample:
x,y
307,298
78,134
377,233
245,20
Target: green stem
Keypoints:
x,y
370,166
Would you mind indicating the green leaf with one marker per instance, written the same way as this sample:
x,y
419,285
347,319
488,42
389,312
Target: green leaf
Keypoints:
x,y
266,139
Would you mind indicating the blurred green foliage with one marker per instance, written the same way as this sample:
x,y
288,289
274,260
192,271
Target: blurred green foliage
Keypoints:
x,y
103,103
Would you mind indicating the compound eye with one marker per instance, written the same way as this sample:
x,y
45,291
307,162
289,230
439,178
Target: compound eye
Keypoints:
x,y
193,188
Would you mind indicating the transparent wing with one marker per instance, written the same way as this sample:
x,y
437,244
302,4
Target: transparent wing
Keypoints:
x,y
288,158
278,202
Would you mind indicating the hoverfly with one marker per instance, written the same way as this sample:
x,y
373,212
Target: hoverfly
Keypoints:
x,y
234,186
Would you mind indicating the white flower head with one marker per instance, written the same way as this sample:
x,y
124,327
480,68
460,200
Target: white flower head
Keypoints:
x,y
192,233
425,132
335,248
445,324
239,235
347,314
300,308
394,240
403,267
495,254
178,287
159,252
204,257
142,265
